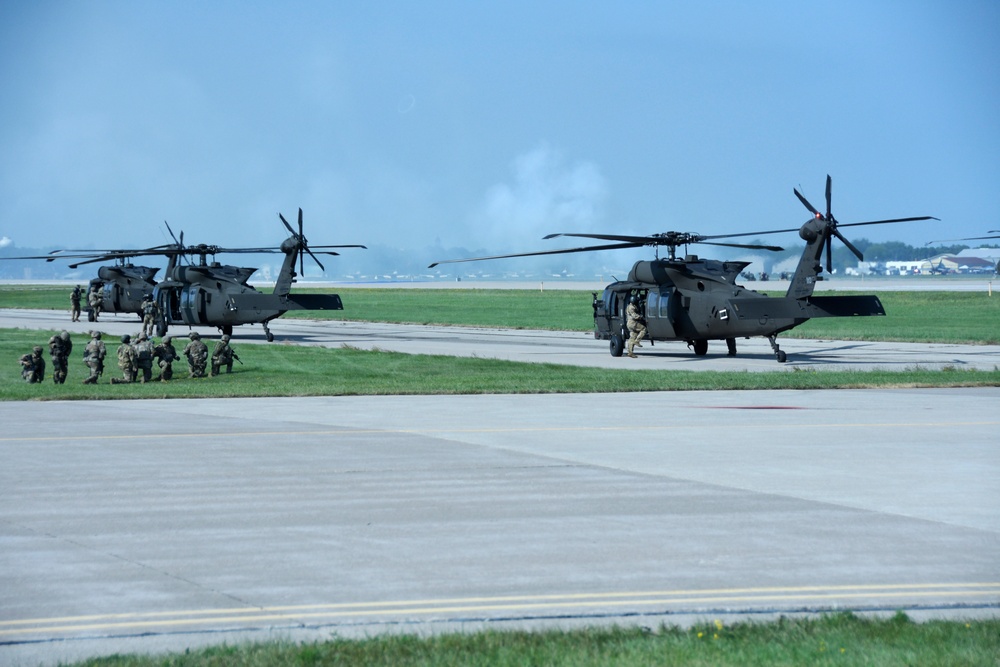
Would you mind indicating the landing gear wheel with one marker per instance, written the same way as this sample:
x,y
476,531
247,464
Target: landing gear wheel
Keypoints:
x,y
267,333
780,356
616,345
700,348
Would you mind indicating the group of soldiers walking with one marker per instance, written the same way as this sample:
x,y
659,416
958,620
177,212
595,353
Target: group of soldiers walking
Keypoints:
x,y
135,358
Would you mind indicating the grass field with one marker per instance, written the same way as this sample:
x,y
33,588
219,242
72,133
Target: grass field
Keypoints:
x,y
293,370
841,639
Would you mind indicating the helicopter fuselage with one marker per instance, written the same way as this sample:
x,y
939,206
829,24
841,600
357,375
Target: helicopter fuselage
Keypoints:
x,y
121,288
697,300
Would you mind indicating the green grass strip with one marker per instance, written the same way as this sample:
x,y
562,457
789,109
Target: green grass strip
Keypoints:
x,y
296,370
843,639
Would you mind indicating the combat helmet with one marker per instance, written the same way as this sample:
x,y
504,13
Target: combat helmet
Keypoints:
x,y
194,335
126,338
64,335
96,335
37,349
166,339
225,337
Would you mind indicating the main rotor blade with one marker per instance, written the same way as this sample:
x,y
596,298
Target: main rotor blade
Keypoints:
x,y
969,238
616,246
624,238
751,246
885,222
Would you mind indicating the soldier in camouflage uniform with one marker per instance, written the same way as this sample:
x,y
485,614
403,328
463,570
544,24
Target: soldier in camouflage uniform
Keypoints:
x,y
74,299
143,358
93,356
636,324
150,312
33,365
165,355
197,355
60,347
95,301
126,361
223,355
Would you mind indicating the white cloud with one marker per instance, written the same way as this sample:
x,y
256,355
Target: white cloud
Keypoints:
x,y
546,195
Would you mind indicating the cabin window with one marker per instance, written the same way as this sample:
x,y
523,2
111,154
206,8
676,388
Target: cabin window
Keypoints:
x,y
653,305
665,304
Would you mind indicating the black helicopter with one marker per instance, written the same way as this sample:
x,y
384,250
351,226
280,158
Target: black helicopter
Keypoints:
x,y
696,300
209,293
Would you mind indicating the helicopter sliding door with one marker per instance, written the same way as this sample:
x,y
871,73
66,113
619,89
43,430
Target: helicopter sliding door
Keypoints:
x,y
661,310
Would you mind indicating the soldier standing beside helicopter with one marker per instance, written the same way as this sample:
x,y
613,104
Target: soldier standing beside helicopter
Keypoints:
x,y
149,314
74,299
636,324
94,300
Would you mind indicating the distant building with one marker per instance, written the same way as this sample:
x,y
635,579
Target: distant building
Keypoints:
x,y
957,264
992,254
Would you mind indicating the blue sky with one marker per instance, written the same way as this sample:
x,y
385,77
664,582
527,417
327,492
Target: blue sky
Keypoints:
x,y
485,126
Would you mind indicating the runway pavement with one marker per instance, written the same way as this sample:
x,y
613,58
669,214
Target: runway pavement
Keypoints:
x,y
167,524
560,347
161,525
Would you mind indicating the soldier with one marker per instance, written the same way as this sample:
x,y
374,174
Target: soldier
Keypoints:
x,y
60,347
126,361
74,299
636,324
33,365
150,312
143,358
93,356
165,355
94,300
197,355
223,355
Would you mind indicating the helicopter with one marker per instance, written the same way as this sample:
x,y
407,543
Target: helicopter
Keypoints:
x,y
208,292
695,300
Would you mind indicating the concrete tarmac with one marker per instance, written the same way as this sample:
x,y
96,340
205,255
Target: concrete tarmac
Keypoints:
x,y
311,517
143,526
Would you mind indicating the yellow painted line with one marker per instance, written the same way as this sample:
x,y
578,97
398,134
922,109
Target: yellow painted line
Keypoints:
x,y
347,430
175,619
